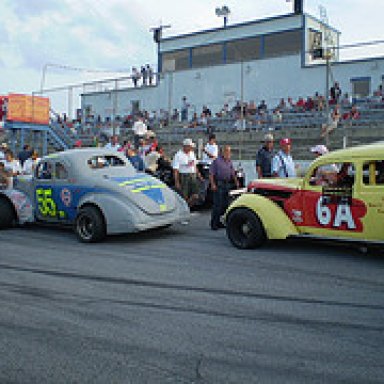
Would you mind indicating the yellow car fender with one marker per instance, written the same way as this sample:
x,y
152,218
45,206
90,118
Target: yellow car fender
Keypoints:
x,y
269,214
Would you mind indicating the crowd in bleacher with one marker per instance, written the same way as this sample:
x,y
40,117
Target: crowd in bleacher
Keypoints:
x,y
304,111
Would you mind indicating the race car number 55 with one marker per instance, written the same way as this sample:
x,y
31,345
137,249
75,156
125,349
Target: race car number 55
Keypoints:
x,y
45,203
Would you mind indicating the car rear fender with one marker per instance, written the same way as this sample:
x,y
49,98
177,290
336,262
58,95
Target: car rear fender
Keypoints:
x,y
276,223
114,209
21,204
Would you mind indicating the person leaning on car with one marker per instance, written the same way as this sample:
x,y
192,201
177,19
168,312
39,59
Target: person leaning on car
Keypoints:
x,y
264,158
221,175
185,172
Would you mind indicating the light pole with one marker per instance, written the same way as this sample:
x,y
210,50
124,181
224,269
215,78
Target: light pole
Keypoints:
x,y
223,12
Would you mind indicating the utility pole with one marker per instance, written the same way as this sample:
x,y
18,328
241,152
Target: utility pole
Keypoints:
x,y
157,36
242,121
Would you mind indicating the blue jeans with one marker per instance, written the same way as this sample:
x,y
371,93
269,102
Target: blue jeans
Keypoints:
x,y
220,202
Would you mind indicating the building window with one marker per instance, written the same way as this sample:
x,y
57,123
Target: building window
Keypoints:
x,y
316,44
243,50
361,87
175,61
282,43
207,56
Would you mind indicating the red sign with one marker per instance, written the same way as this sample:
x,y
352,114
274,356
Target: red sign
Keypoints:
x,y
28,109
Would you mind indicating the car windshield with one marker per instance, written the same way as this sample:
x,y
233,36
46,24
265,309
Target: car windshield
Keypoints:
x,y
110,163
98,162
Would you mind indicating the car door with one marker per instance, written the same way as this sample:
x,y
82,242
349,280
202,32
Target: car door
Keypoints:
x,y
331,205
44,203
371,192
52,202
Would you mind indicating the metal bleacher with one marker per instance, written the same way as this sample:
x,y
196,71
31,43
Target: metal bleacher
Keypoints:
x,y
303,128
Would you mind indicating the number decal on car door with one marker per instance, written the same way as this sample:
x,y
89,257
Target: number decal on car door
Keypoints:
x,y
45,203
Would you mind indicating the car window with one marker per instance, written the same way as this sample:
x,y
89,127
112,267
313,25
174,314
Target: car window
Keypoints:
x,y
373,173
97,162
44,170
61,171
334,175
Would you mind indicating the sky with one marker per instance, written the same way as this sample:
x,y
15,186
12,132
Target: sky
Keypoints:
x,y
113,35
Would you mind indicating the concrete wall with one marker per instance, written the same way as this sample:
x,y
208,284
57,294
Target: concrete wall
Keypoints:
x,y
268,79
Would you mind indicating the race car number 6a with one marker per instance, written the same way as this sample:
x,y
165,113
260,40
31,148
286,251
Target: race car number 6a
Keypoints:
x,y
342,215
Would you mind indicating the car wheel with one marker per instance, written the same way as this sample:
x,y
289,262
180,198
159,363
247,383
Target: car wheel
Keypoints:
x,y
244,229
89,225
7,214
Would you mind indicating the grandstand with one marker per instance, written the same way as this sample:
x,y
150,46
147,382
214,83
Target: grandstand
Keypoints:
x,y
267,59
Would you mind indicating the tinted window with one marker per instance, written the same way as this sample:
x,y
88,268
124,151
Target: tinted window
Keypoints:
x,y
97,162
175,61
242,50
206,56
334,175
361,88
44,170
373,173
282,43
61,172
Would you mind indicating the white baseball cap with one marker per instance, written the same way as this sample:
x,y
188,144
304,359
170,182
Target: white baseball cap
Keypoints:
x,y
188,142
320,149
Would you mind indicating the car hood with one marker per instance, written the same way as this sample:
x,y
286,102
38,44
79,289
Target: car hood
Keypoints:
x,y
288,184
147,192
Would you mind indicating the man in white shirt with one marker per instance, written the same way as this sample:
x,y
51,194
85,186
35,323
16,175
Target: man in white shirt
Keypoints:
x,y
139,130
185,172
282,163
211,150
11,165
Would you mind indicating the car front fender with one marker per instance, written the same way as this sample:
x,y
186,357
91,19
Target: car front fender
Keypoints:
x,y
275,221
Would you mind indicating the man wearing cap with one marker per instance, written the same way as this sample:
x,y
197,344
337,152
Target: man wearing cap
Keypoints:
x,y
319,150
221,175
264,158
282,163
185,172
325,174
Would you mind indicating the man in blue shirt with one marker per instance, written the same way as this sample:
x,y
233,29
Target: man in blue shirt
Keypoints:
x,y
283,164
264,158
221,176
136,160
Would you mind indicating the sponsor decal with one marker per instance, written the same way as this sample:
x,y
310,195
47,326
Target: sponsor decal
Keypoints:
x,y
66,197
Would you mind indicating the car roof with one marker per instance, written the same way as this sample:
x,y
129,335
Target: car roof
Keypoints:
x,y
83,154
369,151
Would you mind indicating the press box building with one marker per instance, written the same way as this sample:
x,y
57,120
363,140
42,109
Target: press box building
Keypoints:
x,y
266,59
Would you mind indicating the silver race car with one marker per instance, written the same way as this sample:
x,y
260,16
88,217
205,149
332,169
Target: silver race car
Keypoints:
x,y
95,190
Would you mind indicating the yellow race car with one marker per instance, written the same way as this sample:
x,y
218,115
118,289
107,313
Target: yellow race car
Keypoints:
x,y
341,197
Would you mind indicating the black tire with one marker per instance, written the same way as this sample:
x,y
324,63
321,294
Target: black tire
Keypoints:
x,y
90,225
7,214
245,230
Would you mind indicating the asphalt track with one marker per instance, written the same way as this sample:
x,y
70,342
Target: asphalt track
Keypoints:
x,y
181,305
